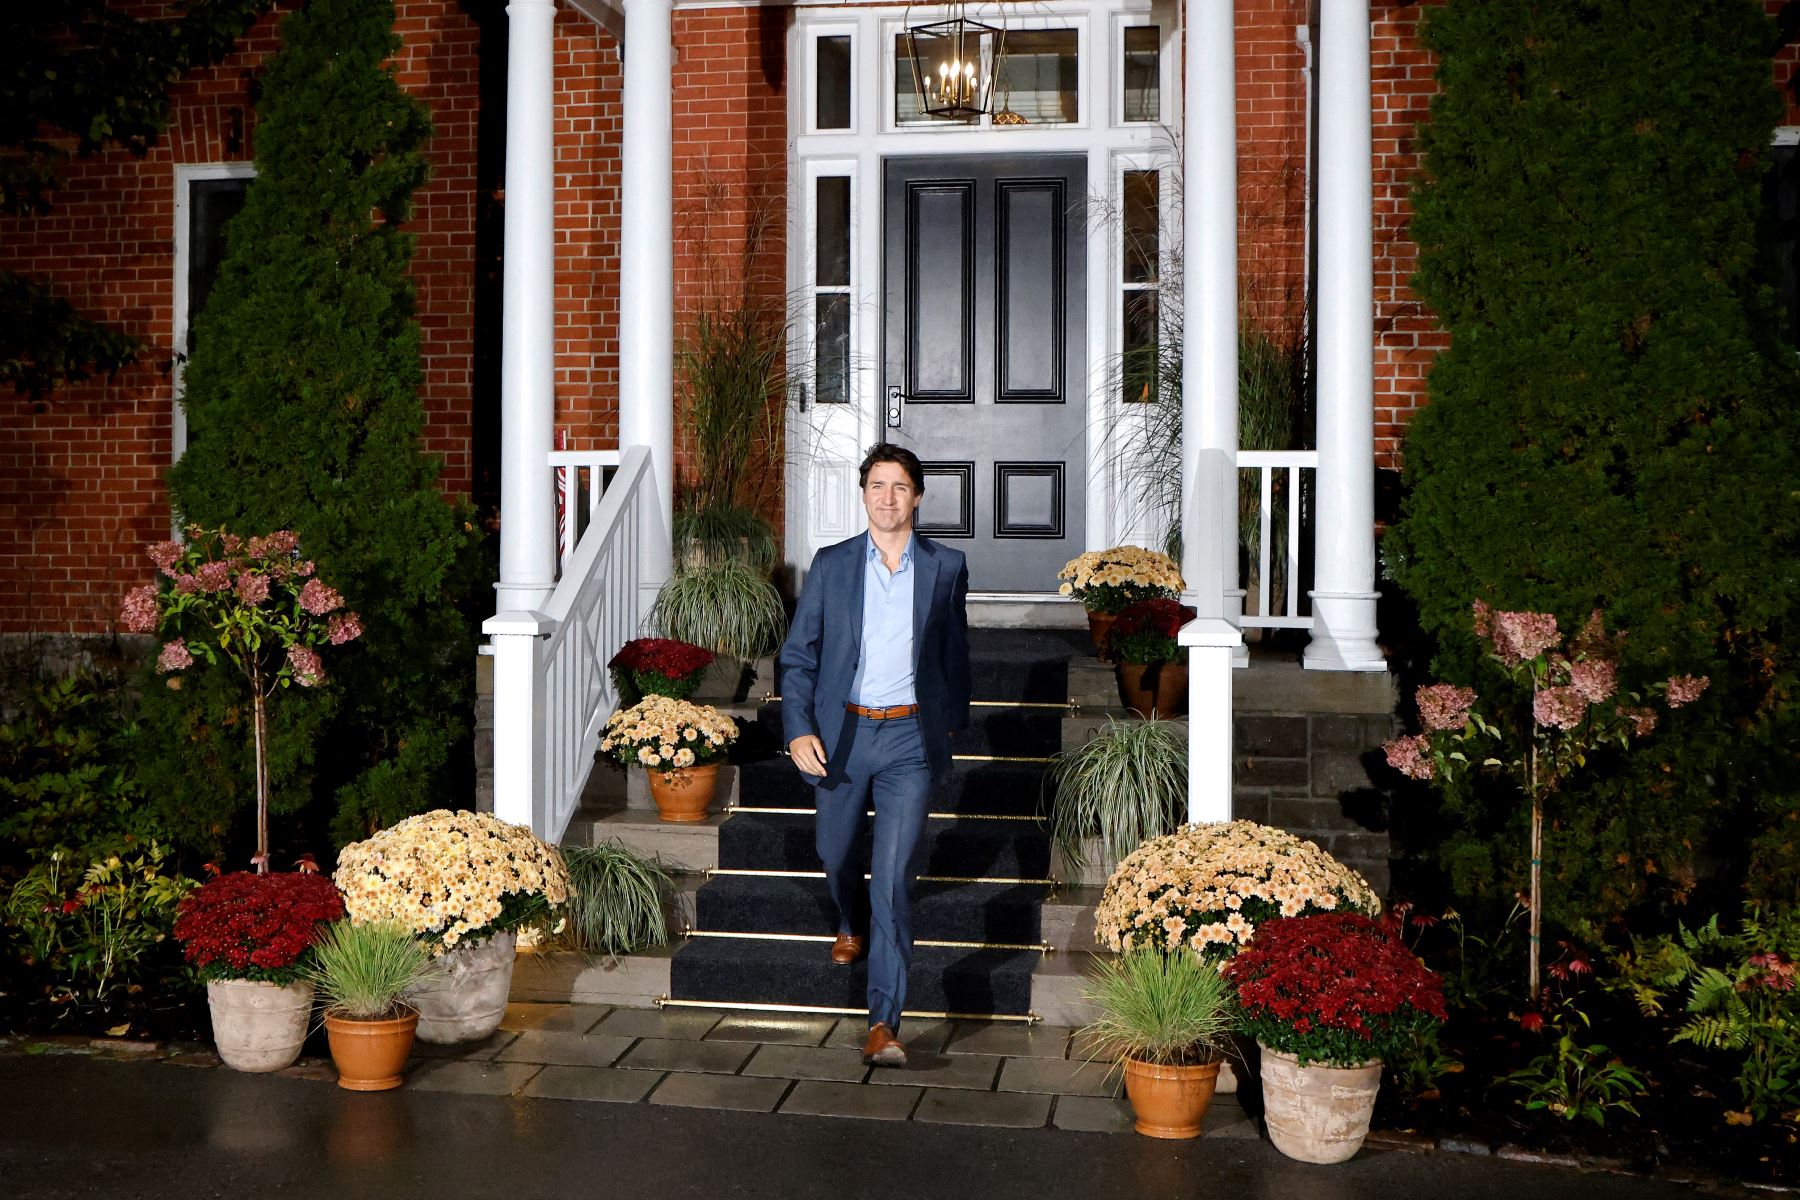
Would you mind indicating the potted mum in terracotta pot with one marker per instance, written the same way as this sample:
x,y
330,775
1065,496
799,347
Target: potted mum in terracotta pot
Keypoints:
x,y
1328,999
1105,581
1152,666
464,883
363,973
1210,887
1168,1018
249,935
680,743
658,667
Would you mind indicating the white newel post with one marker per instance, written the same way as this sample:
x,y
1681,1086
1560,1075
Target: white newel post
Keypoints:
x,y
647,265
527,347
1209,349
1209,399
527,417
1210,643
1343,596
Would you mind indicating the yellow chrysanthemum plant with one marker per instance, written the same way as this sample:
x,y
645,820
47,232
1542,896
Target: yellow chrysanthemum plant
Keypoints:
x,y
1207,888
661,733
1105,581
454,878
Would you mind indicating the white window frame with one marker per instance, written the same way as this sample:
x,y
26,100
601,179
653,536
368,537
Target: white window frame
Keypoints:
x,y
810,85
1168,52
890,27
187,174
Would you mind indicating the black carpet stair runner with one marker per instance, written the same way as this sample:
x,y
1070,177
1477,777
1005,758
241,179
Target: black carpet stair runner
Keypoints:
x,y
986,860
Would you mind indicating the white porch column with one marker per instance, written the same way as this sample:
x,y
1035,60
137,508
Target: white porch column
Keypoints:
x,y
647,246
1343,596
1209,297
1210,643
527,336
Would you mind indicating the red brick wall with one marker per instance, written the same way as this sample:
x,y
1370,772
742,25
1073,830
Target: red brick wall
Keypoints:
x,y
1407,335
1786,63
81,473
1271,104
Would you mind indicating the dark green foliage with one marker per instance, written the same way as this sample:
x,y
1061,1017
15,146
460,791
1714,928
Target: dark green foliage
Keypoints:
x,y
303,407
1614,425
83,70
63,782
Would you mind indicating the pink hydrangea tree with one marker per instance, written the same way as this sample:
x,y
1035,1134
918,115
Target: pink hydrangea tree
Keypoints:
x,y
1575,707
254,603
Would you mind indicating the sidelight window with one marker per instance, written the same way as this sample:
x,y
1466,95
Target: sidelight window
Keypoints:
x,y
831,289
1140,254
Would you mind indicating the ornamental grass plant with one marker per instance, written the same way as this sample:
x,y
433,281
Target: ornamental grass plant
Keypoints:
x,y
1335,989
617,900
726,607
1123,786
1172,1009
1211,888
243,925
453,878
361,970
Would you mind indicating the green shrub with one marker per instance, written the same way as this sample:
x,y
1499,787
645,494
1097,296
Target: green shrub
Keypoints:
x,y
303,409
64,782
1171,1008
1613,423
362,971
727,607
1125,785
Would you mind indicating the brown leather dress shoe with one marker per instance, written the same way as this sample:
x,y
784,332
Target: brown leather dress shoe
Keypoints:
x,y
847,949
883,1049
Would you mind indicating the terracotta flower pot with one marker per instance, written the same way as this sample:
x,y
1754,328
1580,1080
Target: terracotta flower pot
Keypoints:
x,y
1317,1114
1169,1101
467,1001
1099,625
1156,689
259,1026
370,1055
682,795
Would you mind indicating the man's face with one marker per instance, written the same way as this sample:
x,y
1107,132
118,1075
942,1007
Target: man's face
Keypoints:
x,y
890,498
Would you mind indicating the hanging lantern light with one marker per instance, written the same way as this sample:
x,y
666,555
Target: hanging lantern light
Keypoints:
x,y
951,76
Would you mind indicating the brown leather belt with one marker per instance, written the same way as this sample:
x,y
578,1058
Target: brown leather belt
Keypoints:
x,y
883,714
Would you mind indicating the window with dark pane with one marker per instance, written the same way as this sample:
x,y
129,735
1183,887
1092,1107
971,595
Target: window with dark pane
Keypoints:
x,y
831,109
211,203
1139,360
1040,78
1142,212
832,249
1143,73
831,348
1781,208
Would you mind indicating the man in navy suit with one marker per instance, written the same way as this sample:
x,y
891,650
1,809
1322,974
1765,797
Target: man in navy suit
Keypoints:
x,y
874,679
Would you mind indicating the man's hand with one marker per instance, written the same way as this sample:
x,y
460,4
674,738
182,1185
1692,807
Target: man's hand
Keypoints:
x,y
808,753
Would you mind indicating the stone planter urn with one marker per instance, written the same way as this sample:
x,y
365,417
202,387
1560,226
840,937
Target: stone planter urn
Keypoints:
x,y
259,1026
466,1002
683,795
1317,1114
1169,1101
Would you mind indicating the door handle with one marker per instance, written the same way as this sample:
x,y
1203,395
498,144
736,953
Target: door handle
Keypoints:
x,y
894,398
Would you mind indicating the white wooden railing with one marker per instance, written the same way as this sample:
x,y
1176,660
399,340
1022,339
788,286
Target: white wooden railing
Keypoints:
x,y
552,692
1296,471
580,482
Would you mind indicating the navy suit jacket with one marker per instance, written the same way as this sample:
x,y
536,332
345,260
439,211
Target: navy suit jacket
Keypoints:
x,y
824,646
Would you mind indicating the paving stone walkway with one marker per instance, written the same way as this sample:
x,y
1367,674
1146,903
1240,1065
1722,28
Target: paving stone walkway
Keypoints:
x,y
960,1073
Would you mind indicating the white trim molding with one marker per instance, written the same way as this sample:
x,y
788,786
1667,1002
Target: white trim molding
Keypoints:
x,y
187,174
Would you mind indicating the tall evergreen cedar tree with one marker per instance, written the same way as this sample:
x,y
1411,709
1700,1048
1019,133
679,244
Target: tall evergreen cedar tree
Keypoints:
x,y
303,408
1614,425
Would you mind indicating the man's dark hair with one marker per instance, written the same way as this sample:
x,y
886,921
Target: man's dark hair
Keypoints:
x,y
882,452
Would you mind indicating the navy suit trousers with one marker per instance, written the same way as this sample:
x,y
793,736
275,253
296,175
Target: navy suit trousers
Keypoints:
x,y
885,768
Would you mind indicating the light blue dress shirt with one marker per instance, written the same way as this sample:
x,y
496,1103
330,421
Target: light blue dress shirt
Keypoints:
x,y
884,676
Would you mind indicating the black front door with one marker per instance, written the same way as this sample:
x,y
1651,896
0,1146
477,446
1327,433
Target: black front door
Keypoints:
x,y
984,355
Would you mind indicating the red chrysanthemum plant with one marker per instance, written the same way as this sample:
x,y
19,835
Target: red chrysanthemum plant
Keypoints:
x,y
1566,703
1336,989
1147,631
658,667
257,927
252,602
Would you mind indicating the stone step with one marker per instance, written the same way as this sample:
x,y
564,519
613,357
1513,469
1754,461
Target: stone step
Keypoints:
x,y
687,848
566,977
1057,986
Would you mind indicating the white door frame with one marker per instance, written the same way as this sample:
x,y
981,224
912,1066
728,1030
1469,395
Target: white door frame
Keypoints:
x,y
826,442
